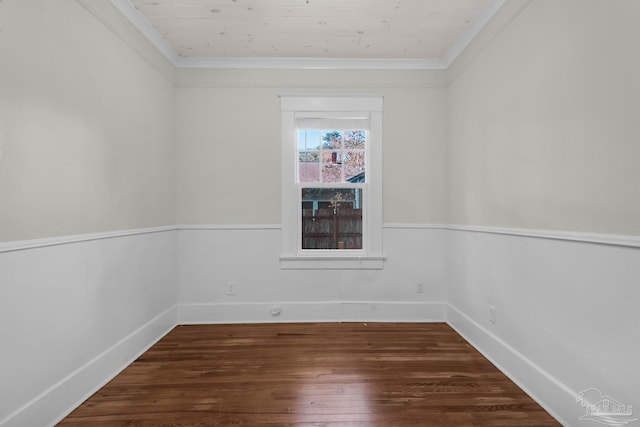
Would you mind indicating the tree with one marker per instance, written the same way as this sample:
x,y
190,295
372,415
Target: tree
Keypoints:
x,y
331,139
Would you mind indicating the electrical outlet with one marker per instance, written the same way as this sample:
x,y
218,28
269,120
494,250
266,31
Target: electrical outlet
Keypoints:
x,y
275,310
420,287
231,288
492,314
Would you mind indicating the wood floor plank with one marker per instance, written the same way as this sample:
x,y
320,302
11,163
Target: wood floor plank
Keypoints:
x,y
312,374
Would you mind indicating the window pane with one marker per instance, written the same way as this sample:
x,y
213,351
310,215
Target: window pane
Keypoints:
x,y
354,166
309,166
331,166
355,139
331,218
308,139
331,139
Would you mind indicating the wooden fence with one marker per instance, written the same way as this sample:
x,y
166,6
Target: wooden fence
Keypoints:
x,y
332,229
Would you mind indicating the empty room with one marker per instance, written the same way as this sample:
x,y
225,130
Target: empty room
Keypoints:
x,y
319,213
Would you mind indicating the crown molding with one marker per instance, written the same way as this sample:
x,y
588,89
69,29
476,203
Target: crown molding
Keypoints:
x,y
127,8
482,19
498,17
115,21
132,14
313,63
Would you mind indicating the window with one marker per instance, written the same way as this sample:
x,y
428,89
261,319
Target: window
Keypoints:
x,y
331,174
331,182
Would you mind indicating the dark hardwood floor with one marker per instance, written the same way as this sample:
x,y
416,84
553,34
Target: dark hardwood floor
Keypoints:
x,y
326,374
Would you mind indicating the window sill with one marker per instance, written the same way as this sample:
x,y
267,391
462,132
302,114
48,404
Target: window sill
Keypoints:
x,y
332,262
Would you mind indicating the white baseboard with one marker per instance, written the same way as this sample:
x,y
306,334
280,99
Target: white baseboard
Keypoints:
x,y
62,398
333,311
556,398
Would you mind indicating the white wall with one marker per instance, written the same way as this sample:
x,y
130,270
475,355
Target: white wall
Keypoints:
x,y
73,314
544,127
566,314
228,125
229,174
87,141
229,169
544,136
87,134
208,259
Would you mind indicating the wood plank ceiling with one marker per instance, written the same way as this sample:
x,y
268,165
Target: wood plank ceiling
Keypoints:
x,y
361,29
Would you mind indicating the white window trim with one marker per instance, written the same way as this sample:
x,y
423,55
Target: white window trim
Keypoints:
x,y
371,256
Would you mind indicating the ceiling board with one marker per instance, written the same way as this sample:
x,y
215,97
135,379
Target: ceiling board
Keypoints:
x,y
407,29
